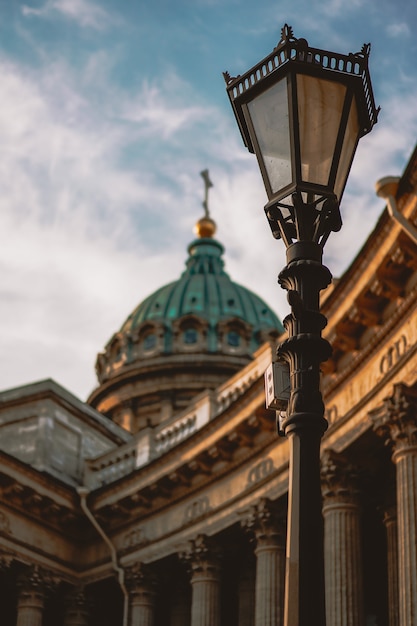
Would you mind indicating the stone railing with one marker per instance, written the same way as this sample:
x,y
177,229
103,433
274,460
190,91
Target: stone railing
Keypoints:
x,y
230,391
151,443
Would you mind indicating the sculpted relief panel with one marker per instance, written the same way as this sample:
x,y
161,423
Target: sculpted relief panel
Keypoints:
x,y
260,471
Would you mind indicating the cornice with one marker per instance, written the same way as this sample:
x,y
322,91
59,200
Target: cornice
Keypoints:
x,y
37,495
51,391
164,366
335,381
227,441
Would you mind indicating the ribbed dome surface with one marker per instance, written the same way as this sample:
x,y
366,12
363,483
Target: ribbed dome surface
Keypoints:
x,y
188,336
205,290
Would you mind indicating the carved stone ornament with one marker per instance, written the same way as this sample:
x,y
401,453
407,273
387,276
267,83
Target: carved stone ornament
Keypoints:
x,y
36,577
339,478
396,419
202,556
4,524
264,524
6,559
140,576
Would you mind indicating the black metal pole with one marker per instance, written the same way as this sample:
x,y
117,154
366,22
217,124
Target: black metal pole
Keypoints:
x,y
304,350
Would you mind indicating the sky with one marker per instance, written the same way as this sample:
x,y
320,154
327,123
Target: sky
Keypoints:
x,y
109,111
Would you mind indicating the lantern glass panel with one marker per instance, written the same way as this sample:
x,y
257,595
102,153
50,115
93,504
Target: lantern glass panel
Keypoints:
x,y
320,107
350,142
270,119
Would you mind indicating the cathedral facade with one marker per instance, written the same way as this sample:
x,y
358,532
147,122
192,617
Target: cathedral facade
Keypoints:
x,y
162,500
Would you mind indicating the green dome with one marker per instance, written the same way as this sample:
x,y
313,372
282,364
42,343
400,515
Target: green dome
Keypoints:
x,y
187,337
203,317
206,291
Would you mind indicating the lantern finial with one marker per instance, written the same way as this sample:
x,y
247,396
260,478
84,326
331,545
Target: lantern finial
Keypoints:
x,y
287,34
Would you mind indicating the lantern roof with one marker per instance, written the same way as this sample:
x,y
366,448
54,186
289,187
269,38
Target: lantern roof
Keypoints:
x,y
295,54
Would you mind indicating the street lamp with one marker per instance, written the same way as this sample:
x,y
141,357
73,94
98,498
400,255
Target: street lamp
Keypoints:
x,y
302,111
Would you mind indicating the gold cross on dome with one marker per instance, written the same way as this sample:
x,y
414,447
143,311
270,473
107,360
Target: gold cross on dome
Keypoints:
x,y
207,185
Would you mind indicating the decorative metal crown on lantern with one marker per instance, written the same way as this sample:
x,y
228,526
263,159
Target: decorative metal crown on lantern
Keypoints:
x,y
302,111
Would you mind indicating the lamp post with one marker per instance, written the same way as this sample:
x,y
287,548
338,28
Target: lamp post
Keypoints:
x,y
302,111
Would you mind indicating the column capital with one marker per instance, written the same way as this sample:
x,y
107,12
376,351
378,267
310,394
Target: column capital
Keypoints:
x,y
339,479
6,559
77,607
34,578
396,419
263,523
202,556
140,576
33,584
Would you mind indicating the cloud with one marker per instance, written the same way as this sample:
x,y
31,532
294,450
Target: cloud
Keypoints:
x,y
399,29
86,14
88,231
384,152
153,112
100,189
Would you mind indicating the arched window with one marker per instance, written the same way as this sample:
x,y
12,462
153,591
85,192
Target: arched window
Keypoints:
x,y
149,342
233,338
190,335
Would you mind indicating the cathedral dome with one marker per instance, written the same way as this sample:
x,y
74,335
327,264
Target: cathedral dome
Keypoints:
x,y
205,292
189,335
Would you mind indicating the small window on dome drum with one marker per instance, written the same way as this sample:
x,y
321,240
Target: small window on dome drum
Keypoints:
x,y
149,342
233,338
190,335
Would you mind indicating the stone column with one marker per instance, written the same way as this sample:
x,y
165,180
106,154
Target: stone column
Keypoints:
x,y
31,597
396,422
141,584
390,521
204,561
342,542
269,534
77,610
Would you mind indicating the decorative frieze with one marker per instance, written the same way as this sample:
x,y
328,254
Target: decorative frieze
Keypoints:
x,y
260,471
197,509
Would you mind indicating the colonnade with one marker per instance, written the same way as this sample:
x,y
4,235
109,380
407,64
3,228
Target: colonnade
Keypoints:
x,y
260,590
